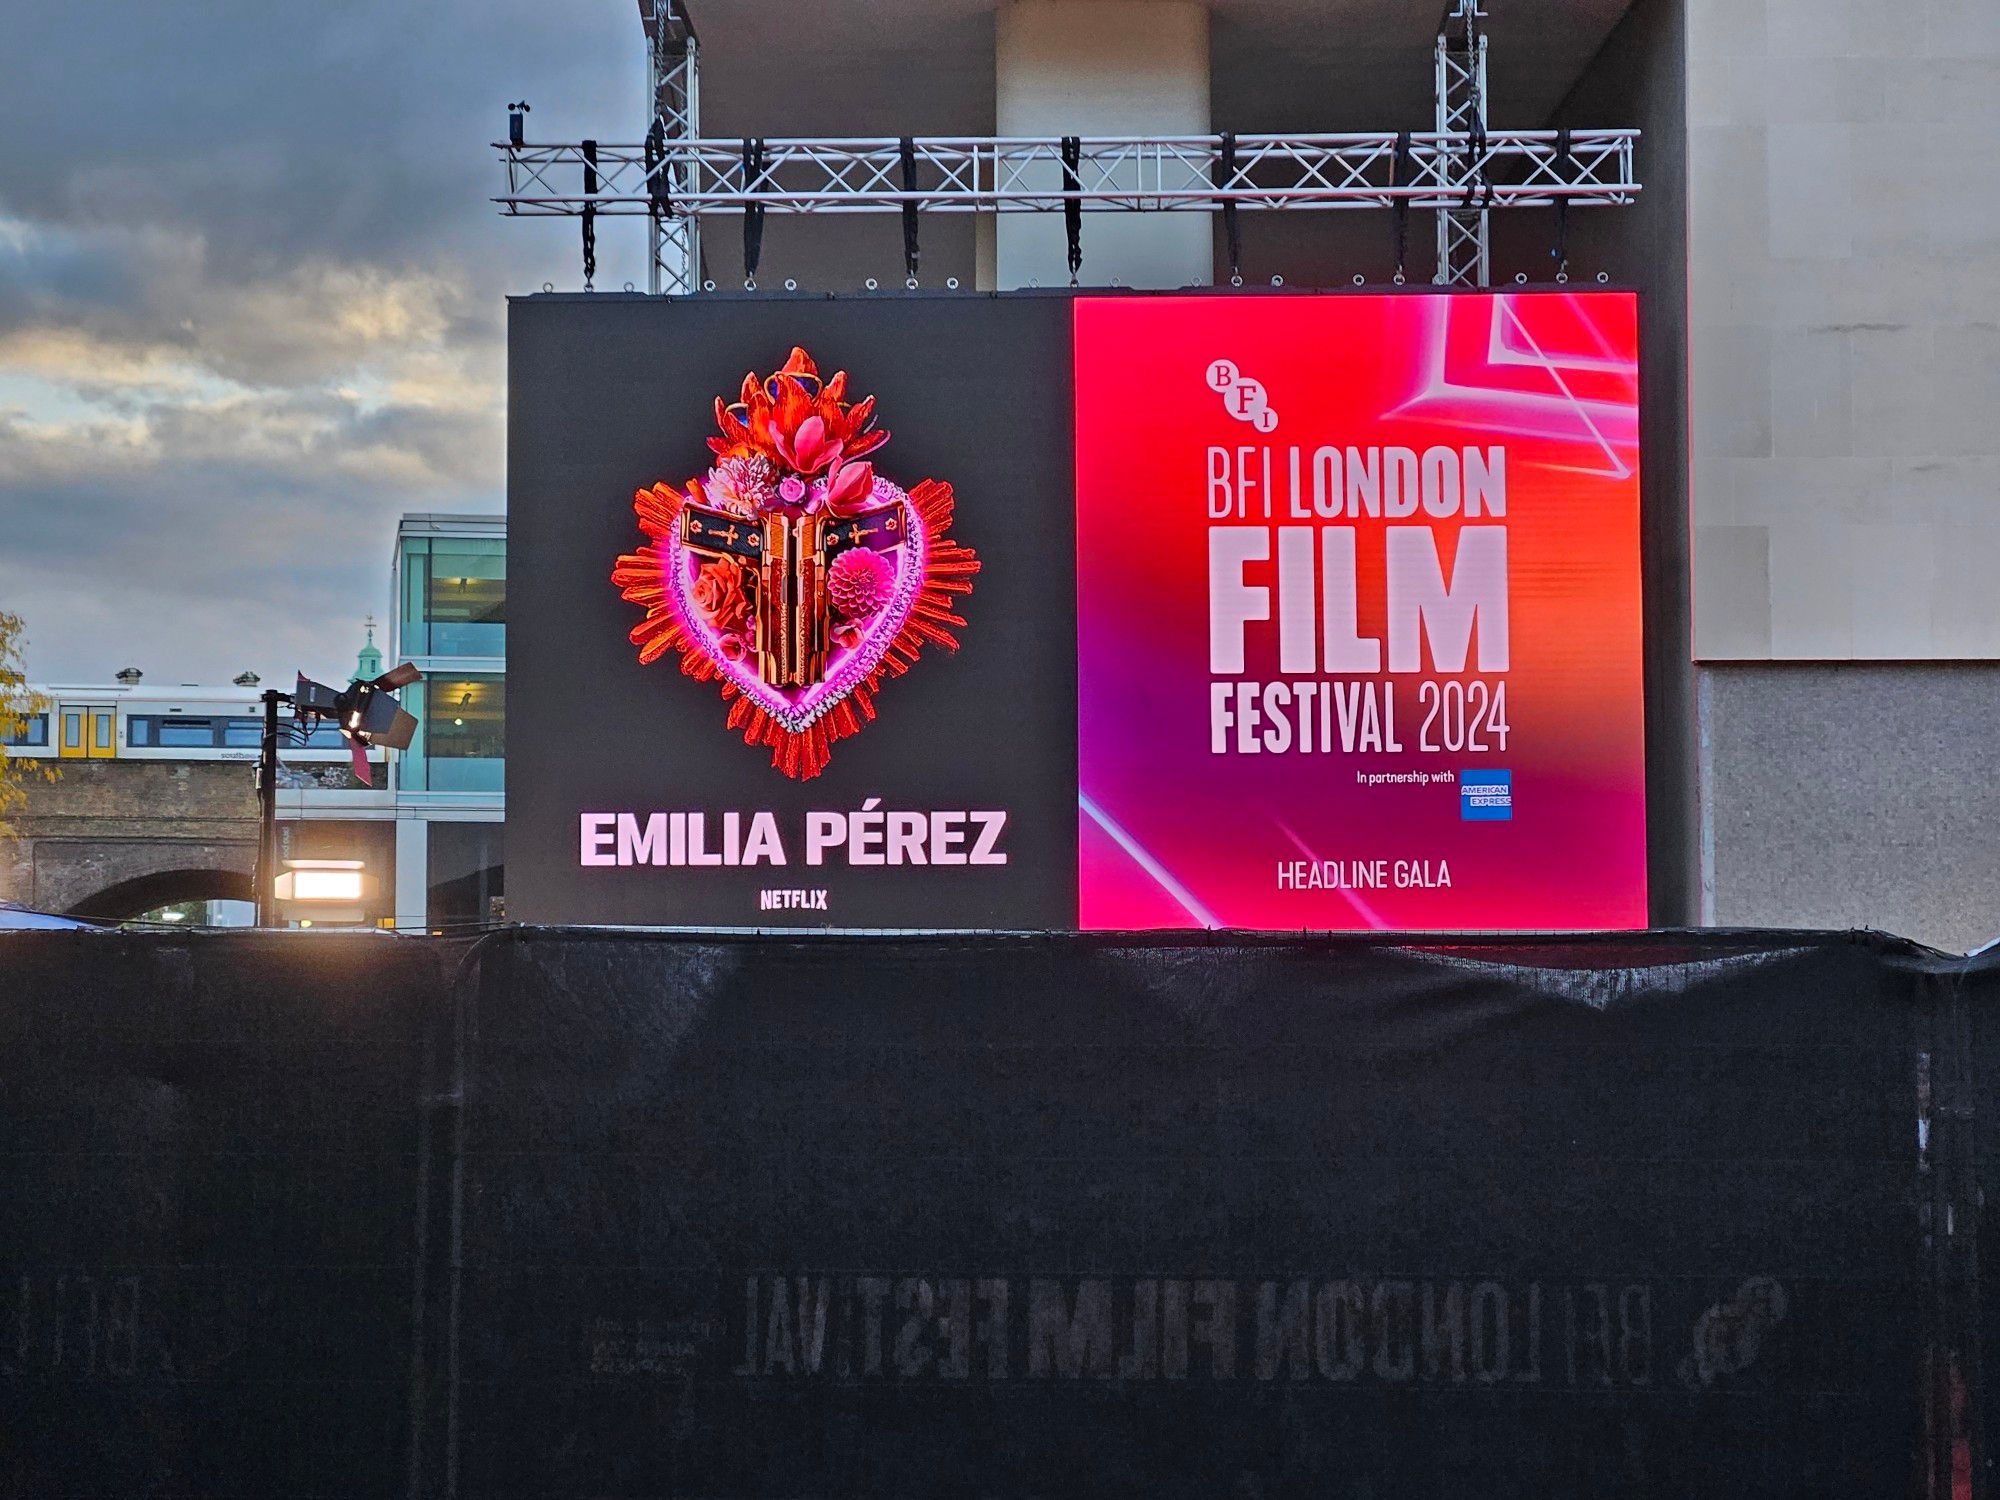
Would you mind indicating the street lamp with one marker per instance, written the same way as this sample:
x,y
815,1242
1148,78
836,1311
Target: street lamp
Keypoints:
x,y
368,715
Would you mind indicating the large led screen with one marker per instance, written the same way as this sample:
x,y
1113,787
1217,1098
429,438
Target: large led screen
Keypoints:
x,y
1038,611
1358,612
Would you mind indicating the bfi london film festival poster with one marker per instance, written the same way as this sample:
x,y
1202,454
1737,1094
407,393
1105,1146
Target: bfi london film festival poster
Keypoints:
x,y
1298,612
1359,614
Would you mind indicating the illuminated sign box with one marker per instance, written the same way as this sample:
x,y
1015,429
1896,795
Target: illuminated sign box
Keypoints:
x,y
327,891
1301,611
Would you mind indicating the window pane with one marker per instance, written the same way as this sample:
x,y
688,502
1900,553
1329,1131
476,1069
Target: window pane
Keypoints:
x,y
467,871
139,731
416,638
186,734
467,603
243,732
103,731
34,732
466,775
464,719
72,731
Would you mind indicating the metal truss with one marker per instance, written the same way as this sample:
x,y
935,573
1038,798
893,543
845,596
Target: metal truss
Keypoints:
x,y
1460,172
674,79
1465,171
1464,250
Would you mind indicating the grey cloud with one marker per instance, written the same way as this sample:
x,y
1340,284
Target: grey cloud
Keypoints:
x,y
190,549
247,257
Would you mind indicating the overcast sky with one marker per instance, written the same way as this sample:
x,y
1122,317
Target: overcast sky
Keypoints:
x,y
251,306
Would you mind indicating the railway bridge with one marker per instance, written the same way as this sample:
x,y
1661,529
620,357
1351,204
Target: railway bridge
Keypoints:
x,y
114,838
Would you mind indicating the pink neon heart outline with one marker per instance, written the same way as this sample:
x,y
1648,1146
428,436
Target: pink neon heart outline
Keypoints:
x,y
796,711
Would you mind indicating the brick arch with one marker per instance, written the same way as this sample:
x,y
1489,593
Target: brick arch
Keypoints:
x,y
138,894
99,877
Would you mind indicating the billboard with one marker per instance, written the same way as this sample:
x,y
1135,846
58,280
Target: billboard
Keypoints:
x,y
1358,612
1046,611
860,709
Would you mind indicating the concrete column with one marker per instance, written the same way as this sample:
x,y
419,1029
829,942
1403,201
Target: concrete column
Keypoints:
x,y
413,873
1102,67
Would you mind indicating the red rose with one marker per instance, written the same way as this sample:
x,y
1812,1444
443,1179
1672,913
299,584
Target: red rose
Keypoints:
x,y
719,592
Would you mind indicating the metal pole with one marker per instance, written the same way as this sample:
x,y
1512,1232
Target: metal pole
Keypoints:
x,y
267,813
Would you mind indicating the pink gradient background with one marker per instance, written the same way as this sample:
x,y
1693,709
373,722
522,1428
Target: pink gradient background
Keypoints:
x,y
1174,836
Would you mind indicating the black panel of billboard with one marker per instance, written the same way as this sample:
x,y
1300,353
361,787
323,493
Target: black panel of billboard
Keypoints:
x,y
976,773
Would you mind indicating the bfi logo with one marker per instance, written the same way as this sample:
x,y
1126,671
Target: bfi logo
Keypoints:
x,y
1242,397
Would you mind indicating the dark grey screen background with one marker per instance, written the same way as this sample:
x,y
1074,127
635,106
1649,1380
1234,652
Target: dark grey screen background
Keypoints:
x,y
610,393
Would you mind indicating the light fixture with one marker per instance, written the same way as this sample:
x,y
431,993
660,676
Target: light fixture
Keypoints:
x,y
329,890
369,717
321,880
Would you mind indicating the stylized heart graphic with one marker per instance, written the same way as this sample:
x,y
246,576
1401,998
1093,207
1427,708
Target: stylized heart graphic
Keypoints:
x,y
793,573
848,665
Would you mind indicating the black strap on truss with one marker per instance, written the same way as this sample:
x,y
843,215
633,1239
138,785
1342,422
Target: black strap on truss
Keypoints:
x,y
658,187
1224,179
1479,178
753,213
906,152
589,214
1478,181
1399,208
1564,160
1072,159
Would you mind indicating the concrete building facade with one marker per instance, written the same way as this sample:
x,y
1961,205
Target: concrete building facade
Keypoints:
x,y
1844,342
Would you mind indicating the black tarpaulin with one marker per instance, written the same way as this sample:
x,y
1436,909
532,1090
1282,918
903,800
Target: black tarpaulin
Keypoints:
x,y
601,1213
211,1150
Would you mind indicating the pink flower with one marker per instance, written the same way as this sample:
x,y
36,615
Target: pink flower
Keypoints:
x,y
809,448
791,490
849,487
847,635
744,485
733,647
859,582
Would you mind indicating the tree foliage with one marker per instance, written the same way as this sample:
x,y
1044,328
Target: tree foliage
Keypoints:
x,y
18,706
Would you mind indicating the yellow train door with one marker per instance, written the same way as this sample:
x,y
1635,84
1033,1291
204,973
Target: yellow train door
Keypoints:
x,y
86,731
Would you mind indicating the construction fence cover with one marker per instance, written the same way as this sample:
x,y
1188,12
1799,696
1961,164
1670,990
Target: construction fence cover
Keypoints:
x,y
570,1212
